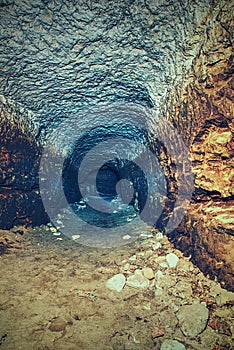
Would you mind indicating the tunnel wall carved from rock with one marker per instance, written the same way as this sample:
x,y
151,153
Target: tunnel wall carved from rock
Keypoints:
x,y
19,165
204,112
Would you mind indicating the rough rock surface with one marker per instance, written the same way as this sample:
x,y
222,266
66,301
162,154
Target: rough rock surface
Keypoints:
x,y
193,319
202,108
19,165
59,57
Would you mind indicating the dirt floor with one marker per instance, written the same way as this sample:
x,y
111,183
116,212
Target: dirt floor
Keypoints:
x,y
54,296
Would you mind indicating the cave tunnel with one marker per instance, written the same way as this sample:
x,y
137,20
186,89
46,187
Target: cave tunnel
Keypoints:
x,y
120,116
168,70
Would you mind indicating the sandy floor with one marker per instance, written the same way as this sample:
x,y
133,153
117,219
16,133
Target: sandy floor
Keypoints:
x,y
54,296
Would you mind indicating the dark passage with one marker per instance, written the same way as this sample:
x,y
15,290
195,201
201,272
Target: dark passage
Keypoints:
x,y
116,192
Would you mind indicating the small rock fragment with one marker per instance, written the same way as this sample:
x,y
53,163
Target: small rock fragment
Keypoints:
x,y
146,235
59,222
159,236
116,282
170,344
56,233
148,273
137,280
133,257
193,319
75,237
126,267
158,277
126,237
53,229
156,246
2,99
172,260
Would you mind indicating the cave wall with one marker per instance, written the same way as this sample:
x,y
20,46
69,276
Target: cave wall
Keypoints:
x,y
19,165
204,112
58,57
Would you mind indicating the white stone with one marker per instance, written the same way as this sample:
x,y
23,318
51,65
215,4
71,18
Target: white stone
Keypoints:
x,y
158,274
75,237
156,246
170,344
193,319
53,229
146,235
132,258
2,99
126,237
137,281
159,236
59,222
117,282
172,260
158,277
56,233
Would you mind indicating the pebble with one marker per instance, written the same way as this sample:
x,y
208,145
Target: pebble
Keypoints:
x,y
146,235
172,260
75,237
148,273
158,277
53,229
117,282
2,99
156,246
56,233
193,319
126,237
159,236
133,258
126,267
137,280
59,222
170,344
